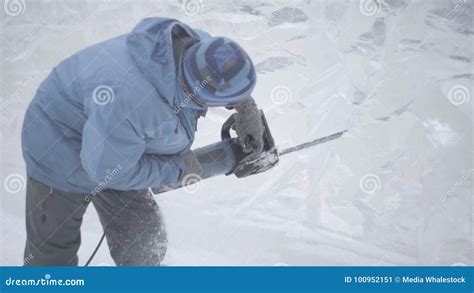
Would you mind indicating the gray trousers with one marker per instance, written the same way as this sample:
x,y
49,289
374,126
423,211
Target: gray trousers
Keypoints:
x,y
135,230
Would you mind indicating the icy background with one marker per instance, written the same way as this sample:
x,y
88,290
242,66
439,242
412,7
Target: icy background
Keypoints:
x,y
395,190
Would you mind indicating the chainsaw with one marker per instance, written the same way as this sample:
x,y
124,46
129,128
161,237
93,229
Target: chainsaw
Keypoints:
x,y
227,156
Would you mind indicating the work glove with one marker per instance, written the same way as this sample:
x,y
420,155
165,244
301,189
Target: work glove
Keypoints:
x,y
249,127
192,165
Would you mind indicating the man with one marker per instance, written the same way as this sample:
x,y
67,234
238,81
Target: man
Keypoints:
x,y
117,118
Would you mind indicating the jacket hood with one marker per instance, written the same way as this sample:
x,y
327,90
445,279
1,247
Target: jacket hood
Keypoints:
x,y
150,44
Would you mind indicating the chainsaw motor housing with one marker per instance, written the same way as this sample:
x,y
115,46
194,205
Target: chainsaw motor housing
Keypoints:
x,y
227,157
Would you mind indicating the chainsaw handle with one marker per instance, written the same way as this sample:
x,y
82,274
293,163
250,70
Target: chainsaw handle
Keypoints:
x,y
227,126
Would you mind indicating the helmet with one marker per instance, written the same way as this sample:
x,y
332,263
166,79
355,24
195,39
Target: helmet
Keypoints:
x,y
218,72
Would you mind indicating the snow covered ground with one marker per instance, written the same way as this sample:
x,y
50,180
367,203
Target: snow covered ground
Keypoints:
x,y
398,74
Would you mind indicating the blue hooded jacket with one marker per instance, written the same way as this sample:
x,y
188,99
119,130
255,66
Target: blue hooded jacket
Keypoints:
x,y
112,115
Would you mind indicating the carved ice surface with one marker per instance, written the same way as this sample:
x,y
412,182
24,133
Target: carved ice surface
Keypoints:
x,y
396,189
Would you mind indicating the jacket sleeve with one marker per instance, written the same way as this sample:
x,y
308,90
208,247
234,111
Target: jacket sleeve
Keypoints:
x,y
113,149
